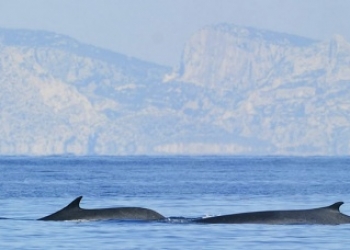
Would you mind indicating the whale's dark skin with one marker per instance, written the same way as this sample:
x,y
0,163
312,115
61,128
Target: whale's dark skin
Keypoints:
x,y
329,215
74,212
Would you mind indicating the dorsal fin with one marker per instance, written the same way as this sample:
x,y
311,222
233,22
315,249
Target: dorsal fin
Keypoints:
x,y
62,214
75,203
336,205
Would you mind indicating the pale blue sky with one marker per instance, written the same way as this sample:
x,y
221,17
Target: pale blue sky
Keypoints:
x,y
156,30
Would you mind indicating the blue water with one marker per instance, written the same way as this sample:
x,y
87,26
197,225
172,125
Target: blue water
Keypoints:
x,y
31,188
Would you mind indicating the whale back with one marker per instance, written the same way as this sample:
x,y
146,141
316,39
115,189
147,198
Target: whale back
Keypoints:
x,y
329,215
73,211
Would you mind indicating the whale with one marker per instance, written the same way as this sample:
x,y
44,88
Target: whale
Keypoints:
x,y
73,211
329,215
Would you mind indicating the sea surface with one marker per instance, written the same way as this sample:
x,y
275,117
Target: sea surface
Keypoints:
x,y
190,187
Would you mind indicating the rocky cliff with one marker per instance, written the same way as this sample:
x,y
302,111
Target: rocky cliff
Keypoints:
x,y
289,93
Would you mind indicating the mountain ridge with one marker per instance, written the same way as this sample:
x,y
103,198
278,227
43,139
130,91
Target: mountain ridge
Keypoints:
x,y
238,90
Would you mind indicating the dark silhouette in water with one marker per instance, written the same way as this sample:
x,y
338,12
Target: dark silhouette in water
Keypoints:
x,y
74,212
329,215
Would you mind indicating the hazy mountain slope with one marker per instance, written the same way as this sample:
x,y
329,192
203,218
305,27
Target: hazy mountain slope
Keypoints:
x,y
289,91
58,95
237,91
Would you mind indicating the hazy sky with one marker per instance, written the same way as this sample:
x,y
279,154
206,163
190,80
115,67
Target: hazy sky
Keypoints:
x,y
156,30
